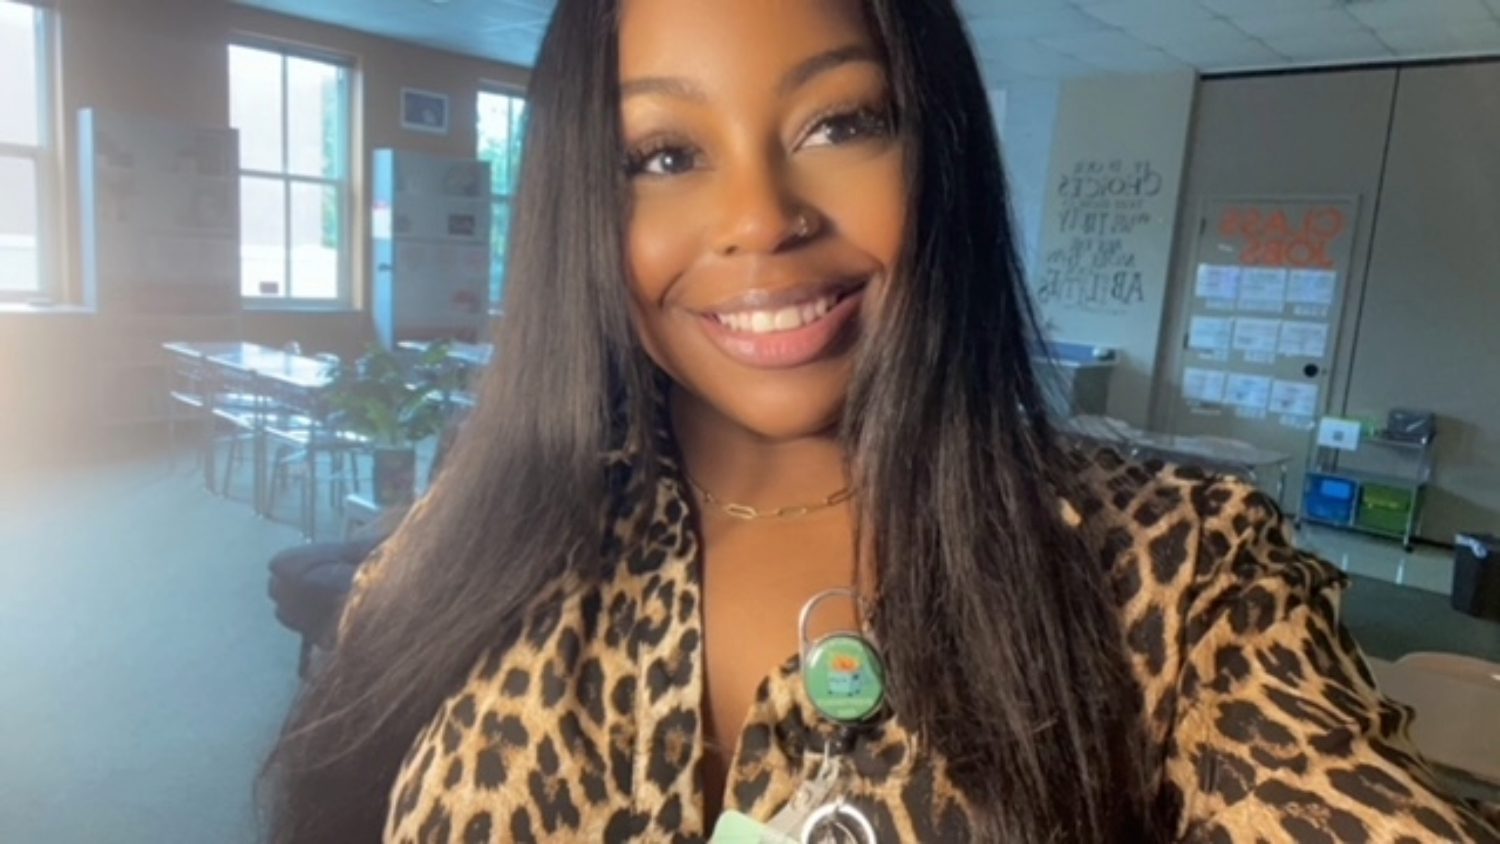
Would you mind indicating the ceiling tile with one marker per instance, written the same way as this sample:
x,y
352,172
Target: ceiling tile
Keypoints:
x,y
1214,31
1234,8
1289,24
1062,21
1147,14
1033,59
1090,43
1341,48
1437,39
1386,14
1152,61
1248,55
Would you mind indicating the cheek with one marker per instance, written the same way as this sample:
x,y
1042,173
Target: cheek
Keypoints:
x,y
660,250
872,212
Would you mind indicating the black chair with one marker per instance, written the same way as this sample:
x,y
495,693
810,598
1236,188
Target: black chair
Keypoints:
x,y
309,584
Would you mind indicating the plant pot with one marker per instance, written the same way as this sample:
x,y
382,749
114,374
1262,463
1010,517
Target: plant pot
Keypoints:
x,y
394,475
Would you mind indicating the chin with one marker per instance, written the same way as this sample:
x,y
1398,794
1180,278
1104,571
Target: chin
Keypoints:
x,y
778,407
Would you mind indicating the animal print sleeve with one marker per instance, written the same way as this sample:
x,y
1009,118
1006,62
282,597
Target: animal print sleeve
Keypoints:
x,y
1280,734
374,567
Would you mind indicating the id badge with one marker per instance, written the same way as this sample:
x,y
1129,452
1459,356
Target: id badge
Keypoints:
x,y
738,828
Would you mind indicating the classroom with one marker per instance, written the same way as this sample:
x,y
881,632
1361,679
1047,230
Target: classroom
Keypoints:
x,y
1259,236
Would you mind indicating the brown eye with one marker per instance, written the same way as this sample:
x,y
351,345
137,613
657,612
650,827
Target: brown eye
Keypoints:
x,y
848,127
671,160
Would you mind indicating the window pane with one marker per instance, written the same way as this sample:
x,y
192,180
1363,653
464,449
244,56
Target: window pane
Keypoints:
x,y
315,241
499,238
20,269
263,237
314,131
255,106
20,101
500,137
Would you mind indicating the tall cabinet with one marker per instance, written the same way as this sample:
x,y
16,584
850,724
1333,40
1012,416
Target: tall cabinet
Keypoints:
x,y
159,211
430,227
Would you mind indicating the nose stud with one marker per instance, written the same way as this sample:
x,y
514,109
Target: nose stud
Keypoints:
x,y
802,226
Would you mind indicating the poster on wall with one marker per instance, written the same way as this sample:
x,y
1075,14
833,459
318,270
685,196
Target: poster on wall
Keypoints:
x,y
1218,282
1211,335
1105,213
1303,339
1294,398
1263,289
1204,386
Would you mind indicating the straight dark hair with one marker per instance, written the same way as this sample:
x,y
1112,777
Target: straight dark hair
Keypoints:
x,y
1004,648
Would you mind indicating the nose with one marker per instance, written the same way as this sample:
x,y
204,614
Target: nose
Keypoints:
x,y
760,212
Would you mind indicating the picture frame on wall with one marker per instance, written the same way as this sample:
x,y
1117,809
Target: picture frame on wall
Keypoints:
x,y
424,111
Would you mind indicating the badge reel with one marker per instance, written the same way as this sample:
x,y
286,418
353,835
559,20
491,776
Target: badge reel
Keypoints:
x,y
845,680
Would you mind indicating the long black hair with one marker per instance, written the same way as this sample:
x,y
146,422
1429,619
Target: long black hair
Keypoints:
x,y
1003,644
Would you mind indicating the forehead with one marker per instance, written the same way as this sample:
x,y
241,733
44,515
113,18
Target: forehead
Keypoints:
x,y
710,36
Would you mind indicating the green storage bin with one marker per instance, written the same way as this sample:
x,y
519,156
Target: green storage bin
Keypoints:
x,y
1384,508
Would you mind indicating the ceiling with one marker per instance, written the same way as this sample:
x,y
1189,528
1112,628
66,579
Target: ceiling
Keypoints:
x,y
1037,39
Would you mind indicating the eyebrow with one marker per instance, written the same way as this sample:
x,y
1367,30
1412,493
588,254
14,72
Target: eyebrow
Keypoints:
x,y
804,72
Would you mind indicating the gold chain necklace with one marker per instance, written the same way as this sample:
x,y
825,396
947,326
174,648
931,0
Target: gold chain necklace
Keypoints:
x,y
745,512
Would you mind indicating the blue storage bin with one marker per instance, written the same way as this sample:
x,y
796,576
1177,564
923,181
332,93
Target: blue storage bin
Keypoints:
x,y
1329,498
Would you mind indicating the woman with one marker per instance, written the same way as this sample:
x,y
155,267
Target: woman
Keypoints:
x,y
766,328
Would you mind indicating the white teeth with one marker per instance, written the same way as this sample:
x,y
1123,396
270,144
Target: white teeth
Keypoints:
x,y
784,319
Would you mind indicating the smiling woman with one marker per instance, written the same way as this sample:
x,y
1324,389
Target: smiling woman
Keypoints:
x,y
760,531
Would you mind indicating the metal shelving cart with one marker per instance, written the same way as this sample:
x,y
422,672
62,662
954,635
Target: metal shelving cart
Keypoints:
x,y
1375,485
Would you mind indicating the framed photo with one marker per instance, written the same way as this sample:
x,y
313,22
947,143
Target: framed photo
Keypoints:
x,y
424,111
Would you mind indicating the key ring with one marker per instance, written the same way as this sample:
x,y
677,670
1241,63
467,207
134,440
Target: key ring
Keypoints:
x,y
838,823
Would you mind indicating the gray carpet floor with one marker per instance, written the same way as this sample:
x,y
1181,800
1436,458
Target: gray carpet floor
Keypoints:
x,y
142,676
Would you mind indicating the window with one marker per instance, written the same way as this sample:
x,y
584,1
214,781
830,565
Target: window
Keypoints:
x,y
292,112
500,133
24,173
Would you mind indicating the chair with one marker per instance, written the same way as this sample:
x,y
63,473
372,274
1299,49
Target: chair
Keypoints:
x,y
309,584
305,430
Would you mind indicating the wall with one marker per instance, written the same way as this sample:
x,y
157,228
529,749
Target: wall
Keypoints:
x,y
1429,326
1108,220
169,58
1416,145
1027,128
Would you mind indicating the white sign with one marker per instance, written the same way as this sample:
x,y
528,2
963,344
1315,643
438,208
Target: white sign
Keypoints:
x,y
1311,287
1248,392
1218,281
1342,434
1304,339
1263,289
1294,398
1256,335
1203,385
1210,334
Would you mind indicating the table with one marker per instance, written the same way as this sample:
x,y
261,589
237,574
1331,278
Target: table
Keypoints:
x,y
1231,456
268,383
1457,723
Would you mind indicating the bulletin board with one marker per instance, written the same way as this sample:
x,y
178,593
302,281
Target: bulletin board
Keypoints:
x,y
1264,300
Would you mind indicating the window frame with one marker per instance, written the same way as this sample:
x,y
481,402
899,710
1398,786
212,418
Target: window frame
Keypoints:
x,y
50,287
342,183
497,197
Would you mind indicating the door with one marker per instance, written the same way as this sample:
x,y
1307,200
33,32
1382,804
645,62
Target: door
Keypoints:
x,y
1265,298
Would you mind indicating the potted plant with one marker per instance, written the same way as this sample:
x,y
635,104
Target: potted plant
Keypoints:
x,y
396,401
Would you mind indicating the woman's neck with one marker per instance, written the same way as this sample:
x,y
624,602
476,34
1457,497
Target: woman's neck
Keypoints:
x,y
739,466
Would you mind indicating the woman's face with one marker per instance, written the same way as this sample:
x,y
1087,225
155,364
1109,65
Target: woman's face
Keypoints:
x,y
767,200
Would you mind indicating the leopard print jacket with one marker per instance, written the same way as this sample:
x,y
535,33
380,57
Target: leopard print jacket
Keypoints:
x,y
1271,729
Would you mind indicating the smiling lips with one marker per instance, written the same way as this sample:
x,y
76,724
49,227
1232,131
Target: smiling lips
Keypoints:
x,y
784,335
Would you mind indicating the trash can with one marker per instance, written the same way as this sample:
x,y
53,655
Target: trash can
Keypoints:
x,y
1476,575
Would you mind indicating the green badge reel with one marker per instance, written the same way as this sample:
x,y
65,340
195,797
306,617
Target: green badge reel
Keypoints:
x,y
842,672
